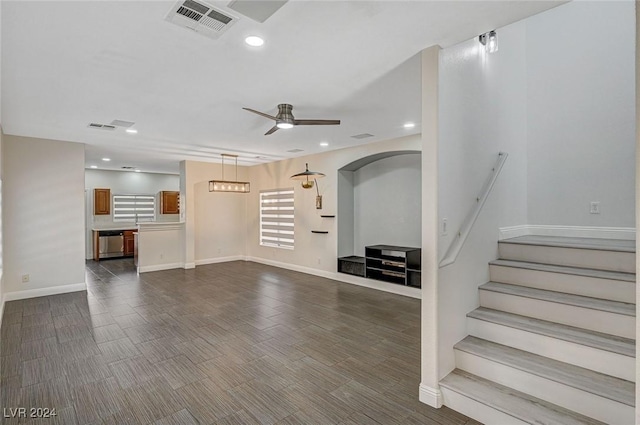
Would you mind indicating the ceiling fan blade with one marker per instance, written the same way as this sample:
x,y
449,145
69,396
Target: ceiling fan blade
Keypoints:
x,y
316,122
260,113
271,130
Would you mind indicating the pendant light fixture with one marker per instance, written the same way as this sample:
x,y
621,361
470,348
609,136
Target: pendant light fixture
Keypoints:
x,y
308,179
226,185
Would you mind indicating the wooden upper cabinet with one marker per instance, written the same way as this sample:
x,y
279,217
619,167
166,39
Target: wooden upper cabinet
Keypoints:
x,y
101,201
169,202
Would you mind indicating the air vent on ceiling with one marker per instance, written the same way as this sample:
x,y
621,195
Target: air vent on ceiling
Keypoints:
x,y
127,167
295,150
102,126
258,10
200,17
122,123
362,136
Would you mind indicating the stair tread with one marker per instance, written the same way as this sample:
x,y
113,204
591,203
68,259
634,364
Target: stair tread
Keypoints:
x,y
579,271
570,242
512,402
617,307
599,340
605,386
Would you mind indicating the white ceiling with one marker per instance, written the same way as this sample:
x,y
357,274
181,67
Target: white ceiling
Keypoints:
x,y
68,63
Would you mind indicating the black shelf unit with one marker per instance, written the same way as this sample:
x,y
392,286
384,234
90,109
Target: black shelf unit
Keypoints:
x,y
394,264
351,265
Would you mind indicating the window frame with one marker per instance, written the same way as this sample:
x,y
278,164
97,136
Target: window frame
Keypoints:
x,y
140,202
277,222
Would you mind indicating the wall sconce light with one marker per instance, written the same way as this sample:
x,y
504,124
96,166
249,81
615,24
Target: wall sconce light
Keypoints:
x,y
490,41
308,179
226,185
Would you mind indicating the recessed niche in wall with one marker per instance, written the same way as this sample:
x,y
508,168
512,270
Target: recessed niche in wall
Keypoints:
x,y
379,202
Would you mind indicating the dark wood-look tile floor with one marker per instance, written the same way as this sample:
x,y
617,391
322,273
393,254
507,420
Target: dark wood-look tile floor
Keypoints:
x,y
232,343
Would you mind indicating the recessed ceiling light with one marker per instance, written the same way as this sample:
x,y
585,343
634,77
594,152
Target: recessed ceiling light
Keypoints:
x,y
131,130
409,125
324,144
106,159
93,166
137,171
254,41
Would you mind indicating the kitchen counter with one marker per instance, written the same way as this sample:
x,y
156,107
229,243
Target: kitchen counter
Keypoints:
x,y
124,227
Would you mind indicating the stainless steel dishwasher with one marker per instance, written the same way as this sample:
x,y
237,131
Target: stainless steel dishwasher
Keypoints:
x,y
111,244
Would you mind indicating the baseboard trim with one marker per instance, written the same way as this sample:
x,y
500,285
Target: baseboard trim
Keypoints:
x,y
219,260
43,292
430,396
159,267
626,233
188,266
341,277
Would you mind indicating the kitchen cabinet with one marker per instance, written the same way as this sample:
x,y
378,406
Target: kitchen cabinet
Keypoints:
x,y
101,201
129,246
169,202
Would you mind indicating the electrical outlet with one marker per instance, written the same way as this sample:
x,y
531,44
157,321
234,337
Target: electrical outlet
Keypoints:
x,y
319,261
595,207
25,278
445,228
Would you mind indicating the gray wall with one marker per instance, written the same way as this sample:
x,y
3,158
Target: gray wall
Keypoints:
x,y
581,114
387,203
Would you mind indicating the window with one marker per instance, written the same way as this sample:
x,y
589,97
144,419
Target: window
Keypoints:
x,y
134,207
276,218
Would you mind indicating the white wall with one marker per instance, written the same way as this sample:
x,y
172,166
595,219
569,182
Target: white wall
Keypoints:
x,y
482,111
313,253
346,216
124,183
160,246
1,233
581,114
558,97
215,221
43,216
387,203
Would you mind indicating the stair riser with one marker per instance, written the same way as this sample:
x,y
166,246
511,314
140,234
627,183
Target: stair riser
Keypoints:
x,y
595,320
595,359
588,258
614,290
476,410
588,404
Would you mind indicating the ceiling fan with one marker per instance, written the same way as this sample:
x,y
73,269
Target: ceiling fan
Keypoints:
x,y
285,119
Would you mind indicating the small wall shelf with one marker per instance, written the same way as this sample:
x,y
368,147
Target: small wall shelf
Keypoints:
x,y
328,216
320,231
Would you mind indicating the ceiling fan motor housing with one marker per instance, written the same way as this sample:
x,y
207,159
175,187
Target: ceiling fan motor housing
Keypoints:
x,y
284,114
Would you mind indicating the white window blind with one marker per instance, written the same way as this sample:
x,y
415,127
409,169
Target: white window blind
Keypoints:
x,y
276,218
134,207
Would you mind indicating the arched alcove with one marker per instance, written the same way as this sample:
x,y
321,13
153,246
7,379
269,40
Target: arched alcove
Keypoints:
x,y
379,202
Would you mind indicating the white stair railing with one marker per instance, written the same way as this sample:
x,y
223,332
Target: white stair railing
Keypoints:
x,y
458,242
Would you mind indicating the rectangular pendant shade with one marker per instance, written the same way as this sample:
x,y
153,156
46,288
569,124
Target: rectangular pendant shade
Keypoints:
x,y
228,186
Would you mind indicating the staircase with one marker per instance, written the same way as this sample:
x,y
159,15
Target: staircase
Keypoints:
x,y
553,341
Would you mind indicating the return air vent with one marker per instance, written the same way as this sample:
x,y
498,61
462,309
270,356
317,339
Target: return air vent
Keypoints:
x,y
362,136
102,126
122,123
127,167
295,150
200,17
